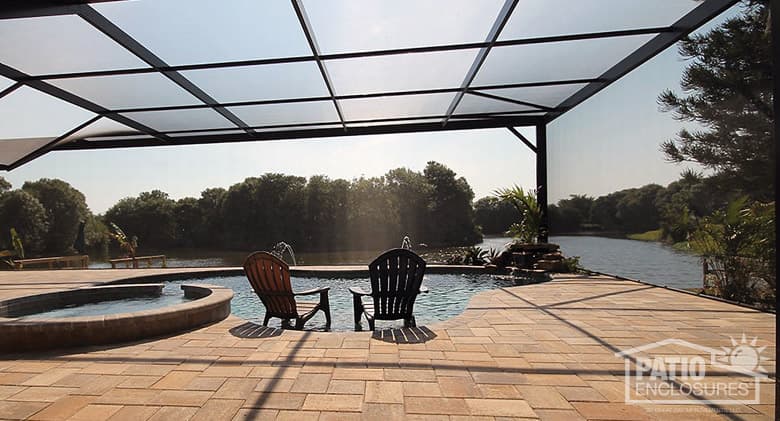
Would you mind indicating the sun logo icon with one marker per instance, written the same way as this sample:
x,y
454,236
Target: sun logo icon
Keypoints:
x,y
745,354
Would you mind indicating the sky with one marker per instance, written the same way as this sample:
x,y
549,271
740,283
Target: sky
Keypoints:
x,y
609,142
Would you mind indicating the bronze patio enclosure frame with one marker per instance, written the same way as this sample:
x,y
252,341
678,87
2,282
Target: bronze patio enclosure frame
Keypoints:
x,y
519,113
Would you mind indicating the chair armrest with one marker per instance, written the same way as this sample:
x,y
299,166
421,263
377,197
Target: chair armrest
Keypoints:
x,y
424,289
313,291
358,291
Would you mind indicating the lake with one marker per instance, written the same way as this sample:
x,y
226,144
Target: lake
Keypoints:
x,y
647,261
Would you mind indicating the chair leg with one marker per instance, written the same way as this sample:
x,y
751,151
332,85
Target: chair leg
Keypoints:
x,y
410,322
267,319
357,307
299,324
370,324
325,304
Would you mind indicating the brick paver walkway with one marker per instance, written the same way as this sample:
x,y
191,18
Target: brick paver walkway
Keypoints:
x,y
540,351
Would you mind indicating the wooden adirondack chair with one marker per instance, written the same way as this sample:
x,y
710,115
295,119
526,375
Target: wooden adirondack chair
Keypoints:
x,y
396,279
270,278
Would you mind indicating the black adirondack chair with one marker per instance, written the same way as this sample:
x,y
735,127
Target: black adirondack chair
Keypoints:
x,y
270,278
396,279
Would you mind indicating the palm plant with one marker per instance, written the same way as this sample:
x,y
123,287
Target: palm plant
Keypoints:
x,y
125,243
7,256
527,228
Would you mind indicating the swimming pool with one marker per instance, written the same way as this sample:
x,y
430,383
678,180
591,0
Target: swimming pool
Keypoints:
x,y
449,294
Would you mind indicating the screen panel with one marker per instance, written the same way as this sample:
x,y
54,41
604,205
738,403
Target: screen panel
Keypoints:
x,y
189,119
354,25
548,96
12,150
264,82
202,31
5,83
397,73
287,113
396,106
543,18
26,113
581,59
474,104
104,126
60,44
144,90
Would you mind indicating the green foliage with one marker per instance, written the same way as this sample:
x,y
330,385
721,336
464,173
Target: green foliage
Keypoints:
x,y
150,216
653,235
16,243
7,256
527,228
738,242
728,90
65,208
22,211
450,213
4,185
433,207
127,244
475,256
569,215
572,264
494,215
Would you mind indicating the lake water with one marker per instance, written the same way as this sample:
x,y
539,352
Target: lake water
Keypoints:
x,y
428,307
647,261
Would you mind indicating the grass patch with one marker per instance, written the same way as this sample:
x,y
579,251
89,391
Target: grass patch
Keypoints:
x,y
654,235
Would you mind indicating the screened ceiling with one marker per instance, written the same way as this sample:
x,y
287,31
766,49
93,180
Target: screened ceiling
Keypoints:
x,y
166,72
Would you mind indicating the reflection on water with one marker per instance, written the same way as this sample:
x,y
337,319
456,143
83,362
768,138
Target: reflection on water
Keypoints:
x,y
644,260
648,261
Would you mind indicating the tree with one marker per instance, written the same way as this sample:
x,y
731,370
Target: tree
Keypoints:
x,y
326,213
188,220
410,191
494,215
728,89
373,217
526,230
4,185
210,233
65,208
150,217
22,211
637,211
449,205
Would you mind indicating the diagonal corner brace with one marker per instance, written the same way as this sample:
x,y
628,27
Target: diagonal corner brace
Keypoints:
x,y
520,136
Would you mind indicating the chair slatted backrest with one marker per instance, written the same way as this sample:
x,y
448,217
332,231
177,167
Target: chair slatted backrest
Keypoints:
x,y
270,278
396,276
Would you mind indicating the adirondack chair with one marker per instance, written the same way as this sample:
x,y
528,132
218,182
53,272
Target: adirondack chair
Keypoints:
x,y
270,278
396,279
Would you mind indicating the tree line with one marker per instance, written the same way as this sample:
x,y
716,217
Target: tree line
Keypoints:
x,y
433,207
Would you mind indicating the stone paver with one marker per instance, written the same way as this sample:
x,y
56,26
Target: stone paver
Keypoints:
x,y
543,351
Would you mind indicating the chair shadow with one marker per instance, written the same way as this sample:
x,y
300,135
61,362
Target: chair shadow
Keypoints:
x,y
254,330
407,335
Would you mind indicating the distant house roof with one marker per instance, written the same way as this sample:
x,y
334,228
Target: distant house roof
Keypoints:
x,y
111,74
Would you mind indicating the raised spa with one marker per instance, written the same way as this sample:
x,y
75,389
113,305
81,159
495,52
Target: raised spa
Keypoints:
x,y
107,314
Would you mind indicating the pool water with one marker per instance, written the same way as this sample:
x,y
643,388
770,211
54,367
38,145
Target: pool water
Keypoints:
x,y
449,294
170,296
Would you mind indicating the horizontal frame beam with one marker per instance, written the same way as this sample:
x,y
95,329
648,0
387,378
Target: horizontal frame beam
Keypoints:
x,y
363,54
311,133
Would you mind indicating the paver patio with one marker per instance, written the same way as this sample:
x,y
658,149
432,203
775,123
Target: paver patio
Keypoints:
x,y
543,351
